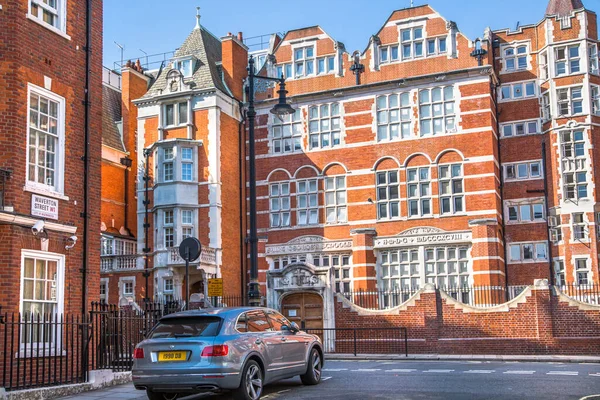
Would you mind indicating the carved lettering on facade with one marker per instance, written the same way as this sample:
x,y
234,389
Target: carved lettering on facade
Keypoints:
x,y
416,240
309,247
298,278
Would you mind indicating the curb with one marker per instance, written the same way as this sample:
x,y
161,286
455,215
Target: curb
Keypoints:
x,y
444,357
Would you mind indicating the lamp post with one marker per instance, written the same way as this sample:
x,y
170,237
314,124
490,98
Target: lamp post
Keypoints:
x,y
280,109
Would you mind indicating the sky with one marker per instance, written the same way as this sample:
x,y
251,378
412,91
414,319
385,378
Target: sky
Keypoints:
x,y
158,26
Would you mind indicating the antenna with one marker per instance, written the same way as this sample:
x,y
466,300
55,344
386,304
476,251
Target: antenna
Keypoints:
x,y
412,3
518,24
146,54
122,48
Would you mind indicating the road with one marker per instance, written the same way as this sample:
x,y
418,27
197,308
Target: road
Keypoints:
x,y
403,380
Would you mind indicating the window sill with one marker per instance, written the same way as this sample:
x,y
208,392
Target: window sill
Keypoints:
x,y
527,261
45,192
47,26
514,71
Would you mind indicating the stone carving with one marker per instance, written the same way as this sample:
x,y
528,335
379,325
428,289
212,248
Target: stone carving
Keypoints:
x,y
423,236
308,244
422,230
299,278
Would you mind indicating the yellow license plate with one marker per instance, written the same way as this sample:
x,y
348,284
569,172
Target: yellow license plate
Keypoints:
x,y
164,356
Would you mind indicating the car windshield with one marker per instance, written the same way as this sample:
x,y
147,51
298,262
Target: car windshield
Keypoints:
x,y
186,327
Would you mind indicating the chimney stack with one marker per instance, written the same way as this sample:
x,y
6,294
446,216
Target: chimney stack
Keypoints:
x,y
234,63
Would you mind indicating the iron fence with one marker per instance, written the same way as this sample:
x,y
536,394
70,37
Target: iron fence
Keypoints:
x,y
587,293
43,350
392,340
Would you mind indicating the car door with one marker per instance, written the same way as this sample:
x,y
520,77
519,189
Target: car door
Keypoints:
x,y
267,341
294,347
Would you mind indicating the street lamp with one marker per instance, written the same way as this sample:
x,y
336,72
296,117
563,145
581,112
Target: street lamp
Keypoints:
x,y
280,109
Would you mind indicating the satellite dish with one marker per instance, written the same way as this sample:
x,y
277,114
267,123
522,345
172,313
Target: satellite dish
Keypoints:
x,y
190,249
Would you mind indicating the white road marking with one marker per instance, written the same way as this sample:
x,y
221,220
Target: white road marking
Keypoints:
x,y
518,372
335,369
439,370
400,370
324,378
569,373
365,370
598,374
479,371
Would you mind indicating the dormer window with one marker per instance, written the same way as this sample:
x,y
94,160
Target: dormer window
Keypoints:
x,y
304,61
412,43
176,114
185,67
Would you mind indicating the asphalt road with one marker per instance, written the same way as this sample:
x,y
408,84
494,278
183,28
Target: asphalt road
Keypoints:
x,y
403,380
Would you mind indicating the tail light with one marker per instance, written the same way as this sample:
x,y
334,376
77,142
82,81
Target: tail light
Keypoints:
x,y
219,350
138,353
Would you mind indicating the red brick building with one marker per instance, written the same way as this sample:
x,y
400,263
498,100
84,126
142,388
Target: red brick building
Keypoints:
x,y
183,123
50,257
429,158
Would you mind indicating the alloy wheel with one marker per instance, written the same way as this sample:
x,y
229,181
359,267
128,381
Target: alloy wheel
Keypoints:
x,y
317,366
254,382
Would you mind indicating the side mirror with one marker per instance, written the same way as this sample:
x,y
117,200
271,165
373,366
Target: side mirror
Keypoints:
x,y
293,327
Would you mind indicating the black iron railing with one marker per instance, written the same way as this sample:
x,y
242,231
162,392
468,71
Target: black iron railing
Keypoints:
x,y
392,340
39,351
587,293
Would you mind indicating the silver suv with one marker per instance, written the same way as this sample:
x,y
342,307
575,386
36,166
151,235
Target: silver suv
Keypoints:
x,y
239,349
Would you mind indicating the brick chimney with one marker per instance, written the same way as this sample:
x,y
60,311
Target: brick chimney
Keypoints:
x,y
234,62
563,7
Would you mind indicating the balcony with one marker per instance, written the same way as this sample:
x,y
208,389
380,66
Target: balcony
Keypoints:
x,y
208,256
118,263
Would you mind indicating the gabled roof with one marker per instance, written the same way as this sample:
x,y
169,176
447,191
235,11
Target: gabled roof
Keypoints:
x,y
111,113
206,48
563,7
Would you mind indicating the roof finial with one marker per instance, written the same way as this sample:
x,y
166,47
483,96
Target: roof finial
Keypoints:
x,y
197,18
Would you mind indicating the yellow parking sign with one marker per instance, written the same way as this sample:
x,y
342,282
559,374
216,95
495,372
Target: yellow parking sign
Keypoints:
x,y
215,287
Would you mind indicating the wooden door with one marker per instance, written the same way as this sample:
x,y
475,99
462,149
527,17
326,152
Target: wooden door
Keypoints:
x,y
305,309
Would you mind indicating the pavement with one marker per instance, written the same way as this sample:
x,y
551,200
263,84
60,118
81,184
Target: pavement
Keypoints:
x,y
422,379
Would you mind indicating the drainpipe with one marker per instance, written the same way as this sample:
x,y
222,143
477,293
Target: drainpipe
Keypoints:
x,y
86,158
242,197
547,211
126,162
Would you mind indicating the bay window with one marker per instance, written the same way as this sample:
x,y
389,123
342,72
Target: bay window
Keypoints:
x,y
593,56
187,164
168,162
168,229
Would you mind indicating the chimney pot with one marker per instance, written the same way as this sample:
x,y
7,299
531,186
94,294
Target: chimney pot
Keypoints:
x,y
240,37
229,34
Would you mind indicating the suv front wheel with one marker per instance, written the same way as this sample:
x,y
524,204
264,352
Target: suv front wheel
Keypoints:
x,y
314,368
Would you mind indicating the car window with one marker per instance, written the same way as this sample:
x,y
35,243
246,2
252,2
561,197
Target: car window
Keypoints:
x,y
242,323
186,327
277,320
257,321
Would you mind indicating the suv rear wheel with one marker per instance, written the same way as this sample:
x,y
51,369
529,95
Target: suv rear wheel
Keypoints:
x,y
313,370
161,396
251,385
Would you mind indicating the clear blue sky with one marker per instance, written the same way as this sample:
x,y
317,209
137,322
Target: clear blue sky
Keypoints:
x,y
157,26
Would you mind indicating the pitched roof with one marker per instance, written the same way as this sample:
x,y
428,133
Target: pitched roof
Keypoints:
x,y
206,48
111,113
563,7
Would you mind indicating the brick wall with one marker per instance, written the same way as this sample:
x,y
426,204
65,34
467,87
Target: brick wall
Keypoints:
x,y
540,321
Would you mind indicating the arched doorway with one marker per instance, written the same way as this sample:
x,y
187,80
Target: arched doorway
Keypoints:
x,y
304,308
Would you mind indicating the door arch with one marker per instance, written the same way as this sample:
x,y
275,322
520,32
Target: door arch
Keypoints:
x,y
304,308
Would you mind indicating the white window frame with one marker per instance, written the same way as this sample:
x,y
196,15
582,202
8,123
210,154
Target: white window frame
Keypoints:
x,y
284,70
179,65
59,157
336,199
573,165
166,288
341,265
104,282
187,162
569,101
311,198
534,252
595,95
526,127
421,198
305,60
187,227
513,171
577,269
544,65
59,281
446,116
278,136
391,198
453,196
386,53
517,91
124,282
515,57
394,116
60,11
518,208
328,63
593,59
281,210
579,228
168,161
437,41
325,123
559,272
176,114
554,223
412,43
569,61
546,107
169,227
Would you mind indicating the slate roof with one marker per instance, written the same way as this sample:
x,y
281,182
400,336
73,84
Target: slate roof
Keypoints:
x,y
111,113
563,7
207,74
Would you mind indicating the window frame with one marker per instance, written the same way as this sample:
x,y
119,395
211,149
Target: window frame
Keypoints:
x,y
59,281
568,60
451,179
168,225
579,228
529,166
577,270
304,61
309,194
177,123
534,252
404,116
59,153
60,11
520,206
512,89
593,60
514,57
168,161
420,198
281,211
569,101
187,227
336,205
187,162
322,133
514,128
389,200
412,42
445,116
295,139
595,97
573,166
